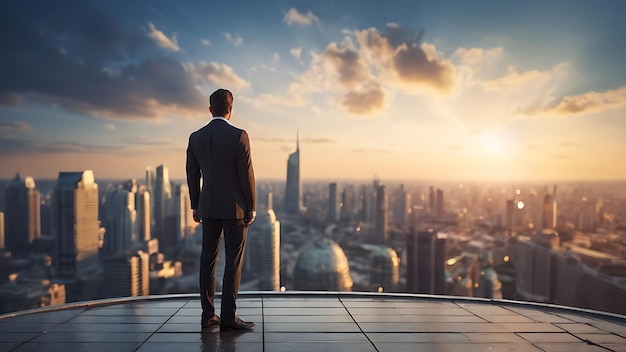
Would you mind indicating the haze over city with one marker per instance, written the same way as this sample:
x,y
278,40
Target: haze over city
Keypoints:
x,y
457,90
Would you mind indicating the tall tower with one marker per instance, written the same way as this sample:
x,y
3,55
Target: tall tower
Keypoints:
x,y
425,262
121,220
162,198
144,214
293,191
402,206
76,226
381,212
439,209
265,248
549,212
23,217
2,242
334,205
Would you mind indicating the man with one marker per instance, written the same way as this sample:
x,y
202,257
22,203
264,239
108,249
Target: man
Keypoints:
x,y
219,154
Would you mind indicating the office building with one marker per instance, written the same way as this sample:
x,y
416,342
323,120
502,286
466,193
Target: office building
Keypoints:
x,y
2,243
402,205
126,274
425,262
121,219
264,247
162,200
439,208
144,215
293,189
549,212
334,204
76,227
381,214
23,222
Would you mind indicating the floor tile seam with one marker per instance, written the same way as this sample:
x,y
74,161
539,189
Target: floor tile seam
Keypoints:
x,y
162,325
473,314
587,341
263,323
357,324
29,340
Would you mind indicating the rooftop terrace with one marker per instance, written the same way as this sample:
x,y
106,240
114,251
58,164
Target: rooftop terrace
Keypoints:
x,y
314,321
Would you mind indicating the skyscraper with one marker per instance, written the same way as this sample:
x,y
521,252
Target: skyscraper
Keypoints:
x,y
264,247
381,212
121,218
162,199
293,191
334,205
144,214
2,231
126,274
440,206
549,212
425,262
76,226
401,207
23,222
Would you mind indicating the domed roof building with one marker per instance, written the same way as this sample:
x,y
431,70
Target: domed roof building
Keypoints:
x,y
322,266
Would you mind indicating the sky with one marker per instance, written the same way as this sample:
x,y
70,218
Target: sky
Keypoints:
x,y
455,90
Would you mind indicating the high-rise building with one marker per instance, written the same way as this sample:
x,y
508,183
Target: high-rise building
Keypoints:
x,y
121,220
549,212
425,262
126,274
334,205
264,248
401,207
1,230
381,212
23,222
508,216
162,199
144,214
181,209
76,227
439,209
293,191
431,200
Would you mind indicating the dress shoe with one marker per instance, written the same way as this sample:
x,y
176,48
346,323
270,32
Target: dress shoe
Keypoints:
x,y
237,324
213,321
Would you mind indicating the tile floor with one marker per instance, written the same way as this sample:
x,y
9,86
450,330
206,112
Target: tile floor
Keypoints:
x,y
314,322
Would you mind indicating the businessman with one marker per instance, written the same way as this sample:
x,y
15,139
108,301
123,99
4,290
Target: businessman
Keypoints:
x,y
218,157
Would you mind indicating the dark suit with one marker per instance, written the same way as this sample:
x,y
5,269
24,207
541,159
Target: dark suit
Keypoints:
x,y
219,153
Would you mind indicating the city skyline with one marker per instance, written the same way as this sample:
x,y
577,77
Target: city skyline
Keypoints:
x,y
485,90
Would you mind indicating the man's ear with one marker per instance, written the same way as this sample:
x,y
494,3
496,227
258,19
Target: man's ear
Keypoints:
x,y
211,110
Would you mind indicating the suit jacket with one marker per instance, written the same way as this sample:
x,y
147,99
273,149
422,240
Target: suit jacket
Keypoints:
x,y
219,153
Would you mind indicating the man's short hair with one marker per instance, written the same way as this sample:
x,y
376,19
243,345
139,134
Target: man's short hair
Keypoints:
x,y
220,101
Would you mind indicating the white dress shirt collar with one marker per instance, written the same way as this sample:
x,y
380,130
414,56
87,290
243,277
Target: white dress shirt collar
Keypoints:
x,y
221,118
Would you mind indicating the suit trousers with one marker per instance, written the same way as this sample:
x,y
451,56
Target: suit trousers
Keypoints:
x,y
235,232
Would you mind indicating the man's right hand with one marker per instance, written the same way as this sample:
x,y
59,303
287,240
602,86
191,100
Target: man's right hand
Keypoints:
x,y
195,216
250,218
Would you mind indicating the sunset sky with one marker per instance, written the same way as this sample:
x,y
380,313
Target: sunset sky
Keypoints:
x,y
462,90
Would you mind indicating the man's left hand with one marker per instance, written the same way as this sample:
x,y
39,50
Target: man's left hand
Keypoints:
x,y
195,217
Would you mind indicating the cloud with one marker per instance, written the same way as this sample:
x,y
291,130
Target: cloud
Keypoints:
x,y
477,56
369,151
347,63
16,126
369,101
205,42
588,102
20,146
515,78
307,140
216,73
294,16
162,40
296,52
110,127
236,39
149,88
